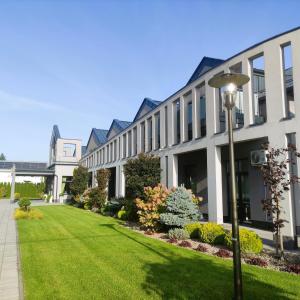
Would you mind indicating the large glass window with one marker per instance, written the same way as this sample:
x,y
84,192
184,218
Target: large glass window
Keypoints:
x,y
259,90
143,135
166,126
288,81
134,150
201,106
176,116
129,144
124,145
69,150
65,184
149,132
190,121
157,130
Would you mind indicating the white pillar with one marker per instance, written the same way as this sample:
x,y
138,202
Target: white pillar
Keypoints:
x,y
247,97
121,182
153,132
162,130
139,138
182,120
214,184
195,113
12,186
172,170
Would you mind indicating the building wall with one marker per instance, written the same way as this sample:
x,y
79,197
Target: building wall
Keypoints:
x,y
275,129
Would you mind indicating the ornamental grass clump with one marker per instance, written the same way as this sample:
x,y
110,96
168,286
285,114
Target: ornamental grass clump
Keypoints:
x,y
32,214
211,233
149,210
250,242
180,209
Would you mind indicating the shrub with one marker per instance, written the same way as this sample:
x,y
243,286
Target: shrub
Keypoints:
x,y
180,208
250,242
178,234
211,233
79,181
24,204
193,229
141,172
185,244
293,268
31,214
149,210
257,261
201,248
172,241
113,206
122,214
223,253
17,196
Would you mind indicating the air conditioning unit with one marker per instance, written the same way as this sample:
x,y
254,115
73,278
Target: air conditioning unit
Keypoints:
x,y
258,157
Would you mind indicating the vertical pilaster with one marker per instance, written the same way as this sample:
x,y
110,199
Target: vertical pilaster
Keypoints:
x,y
195,113
173,170
12,186
182,120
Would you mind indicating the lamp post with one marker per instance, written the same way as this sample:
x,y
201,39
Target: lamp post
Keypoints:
x,y
229,82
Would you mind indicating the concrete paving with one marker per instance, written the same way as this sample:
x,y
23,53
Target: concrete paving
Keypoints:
x,y
10,287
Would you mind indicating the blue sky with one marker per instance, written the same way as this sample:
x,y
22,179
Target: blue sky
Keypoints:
x,y
79,64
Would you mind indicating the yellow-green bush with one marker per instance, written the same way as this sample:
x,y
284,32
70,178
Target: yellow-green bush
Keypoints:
x,y
250,242
193,229
17,196
122,214
30,214
211,233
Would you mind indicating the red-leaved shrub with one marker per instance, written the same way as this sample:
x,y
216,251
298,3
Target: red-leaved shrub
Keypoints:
x,y
201,248
172,241
223,253
293,268
257,261
185,244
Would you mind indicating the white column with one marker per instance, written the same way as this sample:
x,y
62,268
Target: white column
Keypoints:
x,y
163,170
122,182
210,110
139,138
12,186
278,140
173,170
170,124
146,136
296,73
214,184
153,132
247,94
195,113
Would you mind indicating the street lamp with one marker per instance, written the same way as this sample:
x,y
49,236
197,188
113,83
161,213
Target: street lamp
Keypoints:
x,y
229,82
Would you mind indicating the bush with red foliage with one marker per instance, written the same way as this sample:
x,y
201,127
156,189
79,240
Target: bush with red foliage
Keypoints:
x,y
293,268
172,241
185,244
257,261
201,248
223,253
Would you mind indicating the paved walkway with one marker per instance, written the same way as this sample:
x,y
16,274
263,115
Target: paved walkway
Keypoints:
x,y
9,266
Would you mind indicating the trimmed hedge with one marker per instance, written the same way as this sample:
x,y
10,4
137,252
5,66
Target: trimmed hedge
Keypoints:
x,y
193,229
26,189
250,242
211,233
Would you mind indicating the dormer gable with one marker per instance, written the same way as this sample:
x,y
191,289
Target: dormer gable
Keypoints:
x,y
147,105
116,127
97,138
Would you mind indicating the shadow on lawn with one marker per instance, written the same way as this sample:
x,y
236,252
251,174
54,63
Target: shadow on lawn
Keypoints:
x,y
195,276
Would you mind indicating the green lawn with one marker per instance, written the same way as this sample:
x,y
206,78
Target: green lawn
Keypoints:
x,y
75,254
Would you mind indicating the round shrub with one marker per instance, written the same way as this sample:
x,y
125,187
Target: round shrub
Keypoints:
x,y
185,244
24,203
250,242
17,196
223,253
122,214
193,229
257,261
211,233
178,234
201,248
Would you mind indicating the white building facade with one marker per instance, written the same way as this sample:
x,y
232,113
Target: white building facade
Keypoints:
x,y
188,131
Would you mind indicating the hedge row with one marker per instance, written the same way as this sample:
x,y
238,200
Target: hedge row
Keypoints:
x,y
26,189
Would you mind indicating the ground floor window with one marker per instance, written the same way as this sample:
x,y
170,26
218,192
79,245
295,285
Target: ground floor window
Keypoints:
x,y
65,184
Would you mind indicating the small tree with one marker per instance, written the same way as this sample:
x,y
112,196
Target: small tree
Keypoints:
x,y
79,182
141,172
278,177
98,194
180,208
2,156
149,210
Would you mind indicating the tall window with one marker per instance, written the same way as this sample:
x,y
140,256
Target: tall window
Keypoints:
x,y
134,150
176,116
65,184
115,150
288,82
124,145
166,126
143,134
149,128
238,110
157,130
189,121
129,144
259,90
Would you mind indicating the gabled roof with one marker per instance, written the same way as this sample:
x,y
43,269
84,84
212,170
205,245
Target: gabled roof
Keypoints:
x,y
205,64
118,126
147,105
99,137
83,150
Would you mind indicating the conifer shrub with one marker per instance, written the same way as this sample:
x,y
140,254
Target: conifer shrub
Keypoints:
x,y
178,234
211,233
180,208
24,204
250,242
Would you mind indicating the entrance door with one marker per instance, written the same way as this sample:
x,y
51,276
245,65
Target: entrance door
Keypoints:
x,y
242,190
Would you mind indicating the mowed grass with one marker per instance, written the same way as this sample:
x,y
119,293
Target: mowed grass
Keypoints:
x,y
76,254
